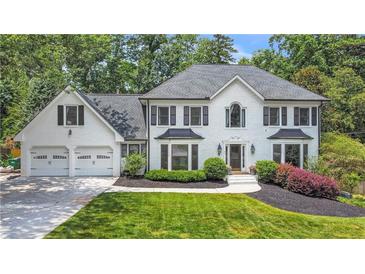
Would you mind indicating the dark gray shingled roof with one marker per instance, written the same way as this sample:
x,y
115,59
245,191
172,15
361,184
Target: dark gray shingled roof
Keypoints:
x,y
123,112
179,133
203,81
290,133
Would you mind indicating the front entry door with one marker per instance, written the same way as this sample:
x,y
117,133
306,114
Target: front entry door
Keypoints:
x,y
235,157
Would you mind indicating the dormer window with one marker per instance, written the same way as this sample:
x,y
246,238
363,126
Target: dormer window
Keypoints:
x,y
235,116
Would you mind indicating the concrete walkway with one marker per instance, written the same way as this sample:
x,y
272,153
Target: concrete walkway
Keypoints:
x,y
236,184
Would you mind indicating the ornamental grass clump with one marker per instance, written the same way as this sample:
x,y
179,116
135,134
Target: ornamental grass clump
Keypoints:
x,y
309,184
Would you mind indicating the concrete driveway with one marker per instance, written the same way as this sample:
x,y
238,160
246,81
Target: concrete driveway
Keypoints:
x,y
32,207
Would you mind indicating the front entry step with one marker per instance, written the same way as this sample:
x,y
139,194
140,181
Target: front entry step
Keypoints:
x,y
241,179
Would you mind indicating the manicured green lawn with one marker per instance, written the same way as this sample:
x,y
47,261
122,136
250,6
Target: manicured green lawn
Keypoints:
x,y
357,200
179,215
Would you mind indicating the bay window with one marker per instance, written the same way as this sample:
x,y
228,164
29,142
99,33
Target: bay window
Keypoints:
x,y
295,154
179,157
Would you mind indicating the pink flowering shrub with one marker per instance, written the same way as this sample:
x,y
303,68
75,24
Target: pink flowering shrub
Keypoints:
x,y
310,184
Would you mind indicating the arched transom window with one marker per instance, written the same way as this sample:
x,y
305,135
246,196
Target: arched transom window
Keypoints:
x,y
235,116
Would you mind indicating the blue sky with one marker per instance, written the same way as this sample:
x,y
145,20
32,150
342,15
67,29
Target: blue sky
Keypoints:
x,y
247,44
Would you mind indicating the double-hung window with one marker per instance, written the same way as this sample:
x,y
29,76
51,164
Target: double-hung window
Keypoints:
x,y
71,115
195,116
301,116
163,116
272,116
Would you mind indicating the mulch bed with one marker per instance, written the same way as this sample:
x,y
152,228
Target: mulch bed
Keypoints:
x,y
284,199
141,182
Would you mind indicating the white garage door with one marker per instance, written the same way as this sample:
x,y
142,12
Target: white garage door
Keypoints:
x,y
93,161
49,161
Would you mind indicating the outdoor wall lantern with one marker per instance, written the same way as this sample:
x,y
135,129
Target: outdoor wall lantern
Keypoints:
x,y
69,132
253,149
219,149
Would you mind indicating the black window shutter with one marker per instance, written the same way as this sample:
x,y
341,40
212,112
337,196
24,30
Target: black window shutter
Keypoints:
x,y
243,117
153,115
296,116
186,116
314,116
227,117
205,116
284,116
266,116
60,115
173,115
81,115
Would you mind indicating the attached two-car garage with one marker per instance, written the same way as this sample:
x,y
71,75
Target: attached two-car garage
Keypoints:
x,y
87,161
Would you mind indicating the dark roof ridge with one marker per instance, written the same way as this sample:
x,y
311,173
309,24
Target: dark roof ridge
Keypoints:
x,y
243,65
112,94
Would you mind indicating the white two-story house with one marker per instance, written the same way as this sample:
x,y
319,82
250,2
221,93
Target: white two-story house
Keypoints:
x,y
239,113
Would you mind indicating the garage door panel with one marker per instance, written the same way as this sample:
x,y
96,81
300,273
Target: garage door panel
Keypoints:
x,y
49,161
94,161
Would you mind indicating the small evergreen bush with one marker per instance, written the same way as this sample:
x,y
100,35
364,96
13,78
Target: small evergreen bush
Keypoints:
x,y
134,163
215,168
266,170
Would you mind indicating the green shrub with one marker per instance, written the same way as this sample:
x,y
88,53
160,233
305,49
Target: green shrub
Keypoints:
x,y
183,176
215,168
342,158
350,181
134,163
266,170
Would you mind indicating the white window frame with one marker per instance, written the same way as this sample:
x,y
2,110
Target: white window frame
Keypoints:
x,y
229,116
65,115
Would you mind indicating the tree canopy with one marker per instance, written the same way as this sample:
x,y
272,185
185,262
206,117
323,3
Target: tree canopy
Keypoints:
x,y
33,68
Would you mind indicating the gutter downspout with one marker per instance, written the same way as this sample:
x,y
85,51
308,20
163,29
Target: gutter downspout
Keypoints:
x,y
148,135
319,126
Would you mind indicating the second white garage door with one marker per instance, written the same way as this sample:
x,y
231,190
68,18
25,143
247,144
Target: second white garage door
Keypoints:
x,y
93,161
